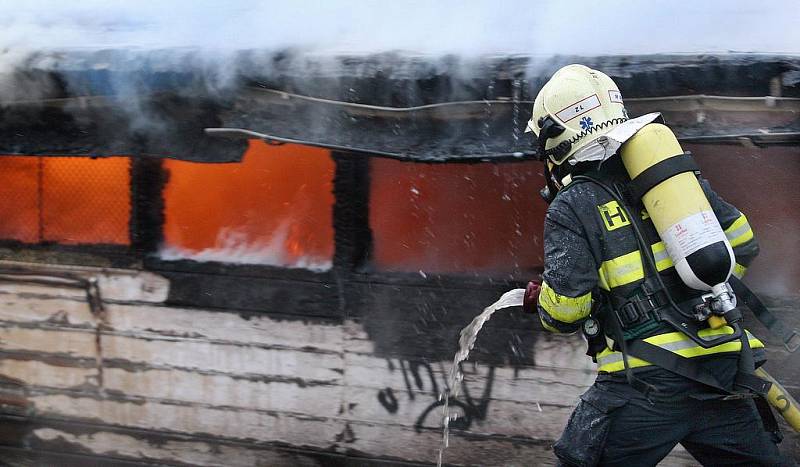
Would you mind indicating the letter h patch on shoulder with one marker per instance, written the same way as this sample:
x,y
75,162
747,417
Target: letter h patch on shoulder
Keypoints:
x,y
613,215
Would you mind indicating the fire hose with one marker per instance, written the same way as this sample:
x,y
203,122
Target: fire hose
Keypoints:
x,y
783,402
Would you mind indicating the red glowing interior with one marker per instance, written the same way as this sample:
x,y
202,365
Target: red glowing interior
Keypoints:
x,y
457,218
274,207
68,200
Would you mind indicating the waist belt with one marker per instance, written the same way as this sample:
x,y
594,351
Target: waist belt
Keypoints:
x,y
648,308
651,306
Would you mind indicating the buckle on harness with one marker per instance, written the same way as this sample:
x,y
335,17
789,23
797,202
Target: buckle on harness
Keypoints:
x,y
634,312
627,315
793,342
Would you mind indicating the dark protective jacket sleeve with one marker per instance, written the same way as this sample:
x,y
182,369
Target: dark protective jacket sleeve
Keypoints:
x,y
736,227
570,271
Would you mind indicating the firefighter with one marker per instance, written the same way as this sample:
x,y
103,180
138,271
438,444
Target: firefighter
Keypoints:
x,y
608,274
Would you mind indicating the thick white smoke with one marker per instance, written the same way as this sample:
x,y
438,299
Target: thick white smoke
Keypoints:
x,y
422,26
204,36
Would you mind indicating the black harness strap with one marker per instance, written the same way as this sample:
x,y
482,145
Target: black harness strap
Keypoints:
x,y
659,172
790,337
640,385
768,419
667,360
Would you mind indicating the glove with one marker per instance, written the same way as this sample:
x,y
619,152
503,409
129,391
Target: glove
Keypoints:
x,y
531,296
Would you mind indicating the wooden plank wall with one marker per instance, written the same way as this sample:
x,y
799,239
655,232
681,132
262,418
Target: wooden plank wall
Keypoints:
x,y
147,383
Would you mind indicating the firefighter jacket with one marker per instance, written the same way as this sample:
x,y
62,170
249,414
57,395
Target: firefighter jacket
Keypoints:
x,y
592,256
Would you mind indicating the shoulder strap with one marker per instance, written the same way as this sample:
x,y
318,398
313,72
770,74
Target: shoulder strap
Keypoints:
x,y
659,172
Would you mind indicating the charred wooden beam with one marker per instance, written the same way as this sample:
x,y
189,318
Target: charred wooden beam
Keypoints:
x,y
414,108
148,179
161,125
352,232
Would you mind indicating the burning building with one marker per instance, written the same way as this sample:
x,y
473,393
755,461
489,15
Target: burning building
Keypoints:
x,y
275,272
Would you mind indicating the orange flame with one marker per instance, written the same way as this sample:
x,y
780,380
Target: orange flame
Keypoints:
x,y
275,207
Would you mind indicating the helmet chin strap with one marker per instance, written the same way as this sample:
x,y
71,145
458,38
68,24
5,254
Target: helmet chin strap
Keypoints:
x,y
548,193
549,128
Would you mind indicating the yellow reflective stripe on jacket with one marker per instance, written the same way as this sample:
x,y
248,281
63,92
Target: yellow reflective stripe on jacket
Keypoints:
x,y
628,268
610,361
739,270
663,261
739,232
563,308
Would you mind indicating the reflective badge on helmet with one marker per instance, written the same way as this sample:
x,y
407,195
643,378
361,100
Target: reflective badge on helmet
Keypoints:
x,y
613,215
579,108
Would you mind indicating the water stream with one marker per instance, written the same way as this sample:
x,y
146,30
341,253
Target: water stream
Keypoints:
x,y
466,342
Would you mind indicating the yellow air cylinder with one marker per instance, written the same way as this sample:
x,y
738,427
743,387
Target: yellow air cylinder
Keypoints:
x,y
681,213
783,402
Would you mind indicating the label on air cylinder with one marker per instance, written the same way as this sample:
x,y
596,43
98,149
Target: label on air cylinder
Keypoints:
x,y
691,234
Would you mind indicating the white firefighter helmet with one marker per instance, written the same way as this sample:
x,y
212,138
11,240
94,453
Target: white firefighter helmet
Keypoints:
x,y
575,107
